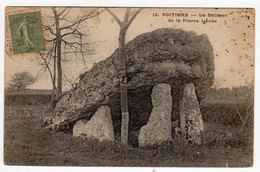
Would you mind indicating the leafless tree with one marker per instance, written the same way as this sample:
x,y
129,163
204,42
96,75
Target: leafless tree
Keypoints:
x,y
20,81
46,60
124,25
248,101
66,34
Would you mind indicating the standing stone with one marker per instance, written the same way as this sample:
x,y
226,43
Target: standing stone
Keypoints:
x,y
191,122
165,55
98,127
79,127
158,128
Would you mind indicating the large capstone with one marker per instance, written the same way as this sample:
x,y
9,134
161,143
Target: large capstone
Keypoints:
x,y
99,127
191,122
167,55
158,128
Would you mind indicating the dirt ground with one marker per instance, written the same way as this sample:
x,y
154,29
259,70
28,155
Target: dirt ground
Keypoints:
x,y
25,143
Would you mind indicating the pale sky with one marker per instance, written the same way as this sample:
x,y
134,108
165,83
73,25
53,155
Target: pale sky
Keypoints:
x,y
232,39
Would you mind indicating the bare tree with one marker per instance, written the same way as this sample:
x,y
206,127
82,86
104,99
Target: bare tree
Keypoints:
x,y
66,34
46,60
248,101
20,81
124,25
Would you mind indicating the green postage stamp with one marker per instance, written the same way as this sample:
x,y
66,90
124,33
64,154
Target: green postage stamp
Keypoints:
x,y
26,32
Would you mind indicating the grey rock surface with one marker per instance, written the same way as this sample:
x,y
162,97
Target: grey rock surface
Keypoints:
x,y
79,127
191,122
158,128
167,55
99,127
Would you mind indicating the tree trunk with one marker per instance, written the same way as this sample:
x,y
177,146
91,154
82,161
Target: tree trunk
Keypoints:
x,y
58,55
123,87
122,71
59,69
53,96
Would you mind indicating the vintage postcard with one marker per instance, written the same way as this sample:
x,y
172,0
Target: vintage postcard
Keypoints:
x,y
132,87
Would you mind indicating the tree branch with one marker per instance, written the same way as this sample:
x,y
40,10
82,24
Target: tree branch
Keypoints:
x,y
62,11
69,81
50,40
127,14
49,29
72,43
114,16
47,66
133,17
239,114
82,19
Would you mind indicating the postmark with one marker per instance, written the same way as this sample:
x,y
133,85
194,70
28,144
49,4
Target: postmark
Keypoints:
x,y
26,32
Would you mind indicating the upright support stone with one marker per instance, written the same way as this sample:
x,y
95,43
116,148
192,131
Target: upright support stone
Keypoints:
x,y
191,122
158,128
79,127
99,126
153,57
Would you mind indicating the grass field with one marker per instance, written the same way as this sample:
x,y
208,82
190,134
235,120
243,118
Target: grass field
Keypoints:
x,y
26,143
